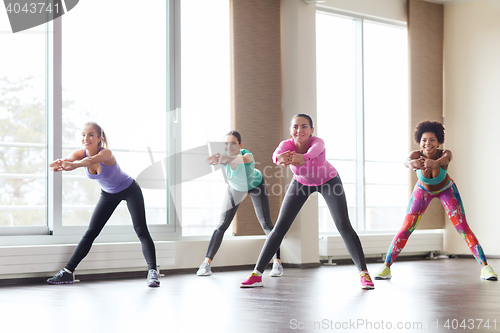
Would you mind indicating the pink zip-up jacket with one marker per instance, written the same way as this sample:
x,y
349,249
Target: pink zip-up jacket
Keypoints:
x,y
317,170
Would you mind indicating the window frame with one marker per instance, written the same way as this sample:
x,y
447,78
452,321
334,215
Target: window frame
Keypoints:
x,y
360,161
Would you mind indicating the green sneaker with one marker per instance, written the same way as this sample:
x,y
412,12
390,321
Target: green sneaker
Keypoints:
x,y
384,273
487,273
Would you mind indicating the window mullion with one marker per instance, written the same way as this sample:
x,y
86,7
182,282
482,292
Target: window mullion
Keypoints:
x,y
360,135
174,167
55,131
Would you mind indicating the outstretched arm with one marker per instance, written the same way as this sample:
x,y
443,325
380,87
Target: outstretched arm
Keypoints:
x,y
316,148
240,159
80,161
57,165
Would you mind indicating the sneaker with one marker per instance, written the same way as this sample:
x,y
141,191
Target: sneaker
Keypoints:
x,y
153,278
366,281
487,273
253,281
62,277
204,270
277,270
384,273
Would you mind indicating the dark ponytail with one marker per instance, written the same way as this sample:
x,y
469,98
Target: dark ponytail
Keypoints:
x,y
236,134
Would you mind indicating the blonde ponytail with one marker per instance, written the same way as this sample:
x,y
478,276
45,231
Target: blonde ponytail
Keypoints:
x,y
100,133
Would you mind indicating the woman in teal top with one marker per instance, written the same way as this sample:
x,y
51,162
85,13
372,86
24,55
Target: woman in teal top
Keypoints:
x,y
431,165
242,178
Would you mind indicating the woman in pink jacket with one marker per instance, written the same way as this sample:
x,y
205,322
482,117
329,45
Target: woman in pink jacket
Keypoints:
x,y
306,157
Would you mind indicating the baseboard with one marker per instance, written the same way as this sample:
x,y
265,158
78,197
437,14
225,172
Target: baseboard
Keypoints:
x,y
466,256
304,265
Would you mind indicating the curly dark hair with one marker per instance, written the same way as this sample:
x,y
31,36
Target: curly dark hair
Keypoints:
x,y
429,126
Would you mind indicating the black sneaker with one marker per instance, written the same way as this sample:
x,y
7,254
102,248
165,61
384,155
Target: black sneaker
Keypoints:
x,y
61,278
153,278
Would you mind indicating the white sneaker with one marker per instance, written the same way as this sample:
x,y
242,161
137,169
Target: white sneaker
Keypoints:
x,y
277,270
204,270
153,279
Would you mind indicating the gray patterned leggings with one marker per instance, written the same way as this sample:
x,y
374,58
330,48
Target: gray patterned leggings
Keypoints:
x,y
232,200
296,196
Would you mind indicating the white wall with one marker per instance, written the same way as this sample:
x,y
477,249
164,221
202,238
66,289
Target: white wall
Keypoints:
x,y
298,48
472,105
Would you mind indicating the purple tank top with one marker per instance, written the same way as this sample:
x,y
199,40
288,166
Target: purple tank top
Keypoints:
x,y
111,179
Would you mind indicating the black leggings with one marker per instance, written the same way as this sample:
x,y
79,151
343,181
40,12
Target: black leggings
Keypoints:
x,y
102,212
296,196
232,200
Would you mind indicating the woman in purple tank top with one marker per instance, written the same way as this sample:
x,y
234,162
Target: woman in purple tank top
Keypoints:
x,y
116,185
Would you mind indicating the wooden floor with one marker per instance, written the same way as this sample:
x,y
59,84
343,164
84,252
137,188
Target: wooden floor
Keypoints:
x,y
421,297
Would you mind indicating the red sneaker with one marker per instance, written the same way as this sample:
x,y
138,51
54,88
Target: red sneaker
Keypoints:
x,y
366,281
253,281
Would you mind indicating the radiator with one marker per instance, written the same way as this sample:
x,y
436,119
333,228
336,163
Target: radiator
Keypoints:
x,y
377,245
29,261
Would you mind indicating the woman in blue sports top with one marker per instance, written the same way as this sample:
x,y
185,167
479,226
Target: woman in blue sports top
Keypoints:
x,y
242,178
101,165
431,165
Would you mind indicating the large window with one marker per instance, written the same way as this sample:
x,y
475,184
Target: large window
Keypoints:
x,y
102,62
362,84
23,110
158,84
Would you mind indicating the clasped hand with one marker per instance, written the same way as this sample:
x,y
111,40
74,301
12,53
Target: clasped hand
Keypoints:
x,y
290,158
62,165
219,159
423,163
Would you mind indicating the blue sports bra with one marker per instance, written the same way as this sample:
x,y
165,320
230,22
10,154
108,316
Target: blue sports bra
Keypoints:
x,y
435,180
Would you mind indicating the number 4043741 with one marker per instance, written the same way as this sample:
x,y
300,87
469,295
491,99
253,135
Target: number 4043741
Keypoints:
x,y
32,8
470,324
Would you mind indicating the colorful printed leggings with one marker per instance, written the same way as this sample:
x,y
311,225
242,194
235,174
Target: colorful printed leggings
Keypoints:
x,y
420,199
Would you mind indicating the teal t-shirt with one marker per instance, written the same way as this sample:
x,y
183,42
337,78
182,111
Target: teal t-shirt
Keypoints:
x,y
245,177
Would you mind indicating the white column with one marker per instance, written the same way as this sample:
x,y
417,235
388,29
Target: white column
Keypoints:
x,y
298,52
